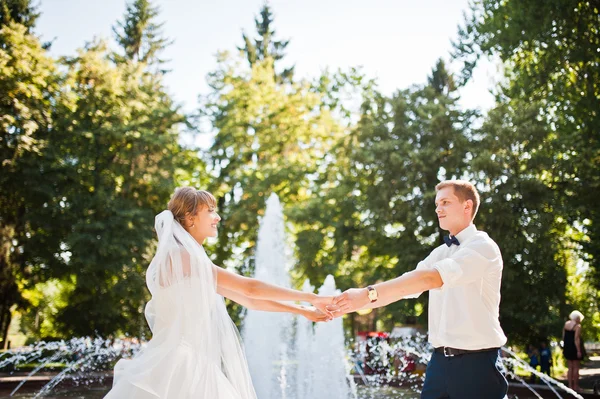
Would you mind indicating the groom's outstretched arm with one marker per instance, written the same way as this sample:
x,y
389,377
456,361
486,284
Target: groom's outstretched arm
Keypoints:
x,y
410,283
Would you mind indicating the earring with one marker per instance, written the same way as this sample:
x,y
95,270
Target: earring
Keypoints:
x,y
193,224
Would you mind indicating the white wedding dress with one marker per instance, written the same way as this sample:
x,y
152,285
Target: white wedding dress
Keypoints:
x,y
195,350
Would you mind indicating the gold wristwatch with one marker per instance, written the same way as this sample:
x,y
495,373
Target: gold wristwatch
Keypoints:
x,y
372,293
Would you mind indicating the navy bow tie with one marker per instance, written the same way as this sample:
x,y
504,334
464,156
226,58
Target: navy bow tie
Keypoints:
x,y
449,240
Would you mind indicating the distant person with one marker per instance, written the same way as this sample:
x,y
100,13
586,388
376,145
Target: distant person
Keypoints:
x,y
573,348
534,361
545,359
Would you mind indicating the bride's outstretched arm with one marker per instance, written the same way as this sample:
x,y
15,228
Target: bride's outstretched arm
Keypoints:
x,y
253,288
310,313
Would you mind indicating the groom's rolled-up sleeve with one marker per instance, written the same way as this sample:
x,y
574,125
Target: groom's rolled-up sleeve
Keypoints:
x,y
466,265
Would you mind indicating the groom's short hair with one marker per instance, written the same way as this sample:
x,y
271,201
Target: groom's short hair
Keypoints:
x,y
464,190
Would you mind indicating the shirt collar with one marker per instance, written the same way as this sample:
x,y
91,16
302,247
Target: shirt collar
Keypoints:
x,y
466,233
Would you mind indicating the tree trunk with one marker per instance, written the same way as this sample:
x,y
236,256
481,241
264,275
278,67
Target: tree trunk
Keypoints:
x,y
2,326
5,330
4,312
374,320
352,322
2,309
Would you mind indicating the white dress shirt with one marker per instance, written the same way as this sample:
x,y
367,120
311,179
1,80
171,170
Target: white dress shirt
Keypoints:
x,y
464,312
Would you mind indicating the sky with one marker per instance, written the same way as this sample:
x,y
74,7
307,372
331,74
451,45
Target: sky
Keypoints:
x,y
395,41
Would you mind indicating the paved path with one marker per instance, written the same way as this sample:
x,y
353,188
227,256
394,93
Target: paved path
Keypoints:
x,y
589,375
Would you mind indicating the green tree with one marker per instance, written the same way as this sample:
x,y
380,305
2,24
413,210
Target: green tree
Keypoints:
x,y
550,50
117,146
512,159
21,12
30,84
139,35
269,138
88,157
372,217
266,47
46,300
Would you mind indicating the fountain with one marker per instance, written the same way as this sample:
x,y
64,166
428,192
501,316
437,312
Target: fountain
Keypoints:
x,y
86,361
309,366
266,335
304,350
330,378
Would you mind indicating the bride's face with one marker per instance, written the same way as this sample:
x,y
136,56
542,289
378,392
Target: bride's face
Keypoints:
x,y
205,222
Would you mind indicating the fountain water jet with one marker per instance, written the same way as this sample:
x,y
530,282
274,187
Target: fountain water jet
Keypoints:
x,y
330,377
304,342
87,359
266,335
287,359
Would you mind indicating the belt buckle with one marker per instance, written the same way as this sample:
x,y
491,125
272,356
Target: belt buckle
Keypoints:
x,y
447,353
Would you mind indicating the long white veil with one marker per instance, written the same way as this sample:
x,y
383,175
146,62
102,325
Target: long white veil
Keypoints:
x,y
195,350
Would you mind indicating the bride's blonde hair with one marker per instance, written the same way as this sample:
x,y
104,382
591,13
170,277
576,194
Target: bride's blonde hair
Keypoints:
x,y
187,201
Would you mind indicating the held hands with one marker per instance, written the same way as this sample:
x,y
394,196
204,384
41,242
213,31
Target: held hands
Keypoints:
x,y
325,305
351,300
328,307
314,314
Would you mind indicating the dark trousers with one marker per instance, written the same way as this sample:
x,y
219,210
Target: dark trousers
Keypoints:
x,y
468,376
545,368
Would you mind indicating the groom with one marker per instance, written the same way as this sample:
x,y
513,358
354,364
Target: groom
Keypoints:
x,y
463,276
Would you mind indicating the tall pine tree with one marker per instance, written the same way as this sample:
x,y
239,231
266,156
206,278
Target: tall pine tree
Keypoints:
x,y
139,35
22,12
266,46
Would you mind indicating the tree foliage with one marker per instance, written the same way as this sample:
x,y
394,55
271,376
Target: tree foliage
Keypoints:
x,y
139,35
269,138
550,50
30,84
266,46
89,155
21,12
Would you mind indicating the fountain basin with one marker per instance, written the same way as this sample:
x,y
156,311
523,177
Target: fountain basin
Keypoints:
x,y
95,385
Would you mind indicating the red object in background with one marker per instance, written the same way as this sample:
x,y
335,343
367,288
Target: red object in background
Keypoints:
x,y
373,334
409,363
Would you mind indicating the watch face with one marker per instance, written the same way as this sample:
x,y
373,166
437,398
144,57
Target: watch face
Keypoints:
x,y
372,295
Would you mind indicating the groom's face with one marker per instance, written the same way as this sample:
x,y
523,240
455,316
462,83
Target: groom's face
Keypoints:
x,y
450,210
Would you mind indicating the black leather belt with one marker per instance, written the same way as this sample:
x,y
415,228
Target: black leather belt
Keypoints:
x,y
449,352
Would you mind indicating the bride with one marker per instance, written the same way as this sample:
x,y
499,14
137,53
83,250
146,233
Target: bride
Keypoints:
x,y
195,350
